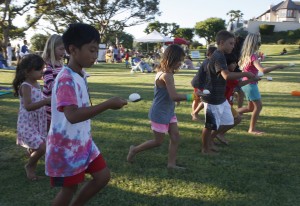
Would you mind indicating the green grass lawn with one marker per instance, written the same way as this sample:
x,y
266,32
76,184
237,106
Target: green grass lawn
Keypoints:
x,y
253,170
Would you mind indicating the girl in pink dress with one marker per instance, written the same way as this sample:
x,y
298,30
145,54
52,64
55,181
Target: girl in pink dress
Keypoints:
x,y
32,124
53,55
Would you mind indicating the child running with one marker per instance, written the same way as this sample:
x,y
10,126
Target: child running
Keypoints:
x,y
32,123
249,62
198,84
53,55
71,151
231,60
217,110
162,111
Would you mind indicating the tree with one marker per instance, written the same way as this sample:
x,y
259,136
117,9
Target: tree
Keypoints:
x,y
38,42
124,38
167,29
187,33
108,16
32,10
209,28
235,15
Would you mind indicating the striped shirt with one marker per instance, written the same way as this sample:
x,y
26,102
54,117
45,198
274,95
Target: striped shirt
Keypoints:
x,y
50,74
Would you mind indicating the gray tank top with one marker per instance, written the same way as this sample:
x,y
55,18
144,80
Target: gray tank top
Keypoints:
x,y
163,107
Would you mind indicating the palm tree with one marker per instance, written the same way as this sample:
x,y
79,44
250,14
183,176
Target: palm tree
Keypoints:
x,y
235,15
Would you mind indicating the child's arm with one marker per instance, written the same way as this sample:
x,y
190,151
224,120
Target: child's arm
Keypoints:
x,y
76,114
169,81
266,70
243,83
28,104
227,75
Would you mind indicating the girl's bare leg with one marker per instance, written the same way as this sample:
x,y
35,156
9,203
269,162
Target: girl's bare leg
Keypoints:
x,y
157,141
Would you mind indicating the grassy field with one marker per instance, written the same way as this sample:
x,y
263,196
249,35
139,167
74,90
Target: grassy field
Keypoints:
x,y
253,170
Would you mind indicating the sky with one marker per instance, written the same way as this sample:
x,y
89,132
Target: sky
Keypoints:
x,y
186,13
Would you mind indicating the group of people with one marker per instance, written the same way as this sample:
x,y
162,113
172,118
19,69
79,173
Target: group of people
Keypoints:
x,y
13,54
55,121
220,74
115,54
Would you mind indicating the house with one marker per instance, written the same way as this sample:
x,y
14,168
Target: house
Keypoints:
x,y
285,16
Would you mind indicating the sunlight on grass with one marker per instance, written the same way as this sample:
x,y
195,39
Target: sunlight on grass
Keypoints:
x,y
252,170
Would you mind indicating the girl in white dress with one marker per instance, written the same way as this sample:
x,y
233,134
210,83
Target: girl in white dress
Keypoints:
x,y
32,120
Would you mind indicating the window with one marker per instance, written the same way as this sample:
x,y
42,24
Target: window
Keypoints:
x,y
290,14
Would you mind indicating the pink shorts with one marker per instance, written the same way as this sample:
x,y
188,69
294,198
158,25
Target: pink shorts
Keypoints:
x,y
162,128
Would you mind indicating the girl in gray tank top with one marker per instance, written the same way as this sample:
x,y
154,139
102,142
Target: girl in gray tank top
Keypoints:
x,y
162,111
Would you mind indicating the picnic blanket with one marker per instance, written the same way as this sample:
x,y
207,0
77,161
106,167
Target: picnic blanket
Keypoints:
x,y
5,90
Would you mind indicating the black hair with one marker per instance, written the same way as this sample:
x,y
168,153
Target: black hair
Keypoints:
x,y
223,35
211,50
79,34
28,63
230,58
239,41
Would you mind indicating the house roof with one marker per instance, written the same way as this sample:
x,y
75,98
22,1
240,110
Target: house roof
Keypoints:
x,y
287,4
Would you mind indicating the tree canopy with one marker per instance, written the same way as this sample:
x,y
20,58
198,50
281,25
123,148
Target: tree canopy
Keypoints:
x,y
167,29
209,28
187,33
108,16
235,15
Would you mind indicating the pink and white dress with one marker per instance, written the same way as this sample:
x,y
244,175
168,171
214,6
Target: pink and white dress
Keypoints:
x,y
32,125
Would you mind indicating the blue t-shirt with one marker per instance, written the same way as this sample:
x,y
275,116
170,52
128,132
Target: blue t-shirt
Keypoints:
x,y
24,49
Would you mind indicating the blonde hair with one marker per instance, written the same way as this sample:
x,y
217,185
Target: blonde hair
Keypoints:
x,y
49,50
250,47
170,58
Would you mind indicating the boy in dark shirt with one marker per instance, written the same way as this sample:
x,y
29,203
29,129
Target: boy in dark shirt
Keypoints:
x,y
217,110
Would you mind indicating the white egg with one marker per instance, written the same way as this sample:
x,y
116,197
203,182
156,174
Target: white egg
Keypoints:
x,y
291,64
134,96
205,91
269,78
260,74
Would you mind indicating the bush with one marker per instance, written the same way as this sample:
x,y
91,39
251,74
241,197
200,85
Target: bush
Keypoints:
x,y
281,41
266,29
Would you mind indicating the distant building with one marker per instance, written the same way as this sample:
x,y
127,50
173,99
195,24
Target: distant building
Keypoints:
x,y
285,16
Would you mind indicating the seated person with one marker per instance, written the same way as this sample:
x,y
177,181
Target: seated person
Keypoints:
x,y
284,51
139,64
188,63
108,56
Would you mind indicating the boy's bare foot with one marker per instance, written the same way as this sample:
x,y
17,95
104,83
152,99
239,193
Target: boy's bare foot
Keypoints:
x,y
256,132
30,173
175,167
130,154
222,139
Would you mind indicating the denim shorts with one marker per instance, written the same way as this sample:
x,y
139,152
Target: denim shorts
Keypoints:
x,y
251,92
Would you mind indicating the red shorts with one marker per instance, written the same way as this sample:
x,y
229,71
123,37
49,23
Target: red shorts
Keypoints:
x,y
96,165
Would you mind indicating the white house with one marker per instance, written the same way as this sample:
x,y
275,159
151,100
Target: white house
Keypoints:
x,y
285,16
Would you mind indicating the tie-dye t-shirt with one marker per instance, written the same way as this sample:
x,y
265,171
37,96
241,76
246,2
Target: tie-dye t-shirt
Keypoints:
x,y
70,147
